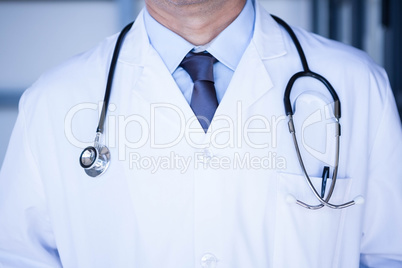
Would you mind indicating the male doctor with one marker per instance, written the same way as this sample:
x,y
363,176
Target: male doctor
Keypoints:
x,y
203,169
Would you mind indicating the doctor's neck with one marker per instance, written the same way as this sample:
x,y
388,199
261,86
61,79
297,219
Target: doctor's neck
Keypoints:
x,y
197,21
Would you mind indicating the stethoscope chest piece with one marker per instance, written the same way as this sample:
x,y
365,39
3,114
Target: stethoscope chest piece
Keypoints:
x,y
95,160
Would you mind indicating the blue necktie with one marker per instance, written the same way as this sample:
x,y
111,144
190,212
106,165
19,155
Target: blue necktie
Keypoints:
x,y
203,100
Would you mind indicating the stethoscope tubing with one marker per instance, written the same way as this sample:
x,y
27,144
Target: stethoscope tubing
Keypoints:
x,y
308,73
289,112
110,77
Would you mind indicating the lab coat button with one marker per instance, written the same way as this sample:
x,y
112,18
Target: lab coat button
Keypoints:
x,y
206,155
209,261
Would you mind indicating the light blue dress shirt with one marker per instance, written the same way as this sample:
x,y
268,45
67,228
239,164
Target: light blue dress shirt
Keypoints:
x,y
228,48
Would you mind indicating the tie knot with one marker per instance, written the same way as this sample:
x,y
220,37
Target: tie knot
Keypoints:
x,y
199,66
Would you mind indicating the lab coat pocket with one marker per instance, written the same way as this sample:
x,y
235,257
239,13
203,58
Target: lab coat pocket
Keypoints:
x,y
312,236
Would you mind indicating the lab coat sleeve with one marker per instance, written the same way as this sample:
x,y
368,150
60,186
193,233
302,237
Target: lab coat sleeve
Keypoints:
x,y
26,238
382,232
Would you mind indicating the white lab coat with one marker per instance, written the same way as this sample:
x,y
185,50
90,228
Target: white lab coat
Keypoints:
x,y
228,207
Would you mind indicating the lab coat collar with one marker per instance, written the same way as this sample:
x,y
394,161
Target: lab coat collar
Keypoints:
x,y
268,36
136,43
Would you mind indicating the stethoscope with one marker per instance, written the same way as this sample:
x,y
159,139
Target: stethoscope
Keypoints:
x,y
95,159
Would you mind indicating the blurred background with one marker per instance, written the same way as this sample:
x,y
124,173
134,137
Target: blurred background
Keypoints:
x,y
36,35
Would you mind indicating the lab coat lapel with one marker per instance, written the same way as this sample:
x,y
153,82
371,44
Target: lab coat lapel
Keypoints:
x,y
154,83
249,83
251,80
151,133
153,90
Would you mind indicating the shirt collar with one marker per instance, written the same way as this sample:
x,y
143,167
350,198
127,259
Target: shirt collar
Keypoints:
x,y
228,47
